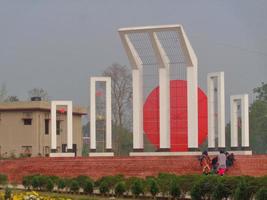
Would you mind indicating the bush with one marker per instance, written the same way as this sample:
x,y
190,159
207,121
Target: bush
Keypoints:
x,y
221,191
185,182
120,188
49,185
153,187
3,179
88,187
74,186
242,192
61,184
103,187
8,192
26,182
261,194
35,182
164,181
175,191
137,187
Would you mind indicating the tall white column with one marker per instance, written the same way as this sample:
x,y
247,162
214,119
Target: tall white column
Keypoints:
x,y
108,115
211,112
69,127
164,107
192,107
92,115
137,78
53,126
221,110
245,120
219,77
234,125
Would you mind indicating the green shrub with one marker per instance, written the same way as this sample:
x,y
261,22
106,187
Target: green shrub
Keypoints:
x,y
42,182
221,191
120,188
103,187
74,186
195,192
3,179
153,187
26,182
261,194
185,182
175,191
8,193
35,182
137,187
164,181
88,186
242,192
49,185
129,182
61,184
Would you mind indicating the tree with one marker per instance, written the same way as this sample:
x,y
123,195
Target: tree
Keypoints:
x,y
3,93
258,120
121,88
261,92
38,92
11,99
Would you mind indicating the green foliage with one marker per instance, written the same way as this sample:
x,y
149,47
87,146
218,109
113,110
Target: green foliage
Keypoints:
x,y
221,190
103,187
35,182
88,186
152,186
261,92
49,185
61,184
8,193
175,191
204,187
120,188
261,194
185,182
74,186
137,187
242,192
3,179
164,181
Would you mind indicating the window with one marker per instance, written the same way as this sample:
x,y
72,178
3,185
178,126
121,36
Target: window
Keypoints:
x,y
46,126
27,122
58,127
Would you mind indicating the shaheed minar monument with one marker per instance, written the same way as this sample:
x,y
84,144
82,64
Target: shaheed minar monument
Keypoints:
x,y
163,47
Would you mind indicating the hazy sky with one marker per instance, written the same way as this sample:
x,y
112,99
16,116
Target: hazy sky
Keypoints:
x,y
59,44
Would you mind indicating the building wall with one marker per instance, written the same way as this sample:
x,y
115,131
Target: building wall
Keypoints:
x,y
14,134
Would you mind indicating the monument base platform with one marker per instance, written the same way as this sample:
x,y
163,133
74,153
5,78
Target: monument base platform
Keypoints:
x,y
166,153
67,154
101,154
241,152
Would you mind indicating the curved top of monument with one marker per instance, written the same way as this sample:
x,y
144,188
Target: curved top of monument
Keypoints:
x,y
159,45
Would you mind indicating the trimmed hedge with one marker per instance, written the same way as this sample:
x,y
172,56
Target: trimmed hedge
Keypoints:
x,y
168,185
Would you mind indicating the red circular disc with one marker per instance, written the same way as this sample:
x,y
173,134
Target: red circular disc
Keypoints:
x,y
178,112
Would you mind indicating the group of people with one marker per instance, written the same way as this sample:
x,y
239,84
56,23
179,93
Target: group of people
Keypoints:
x,y
217,165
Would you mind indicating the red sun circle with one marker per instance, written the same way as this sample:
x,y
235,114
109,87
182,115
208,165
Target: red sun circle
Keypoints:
x,y
178,112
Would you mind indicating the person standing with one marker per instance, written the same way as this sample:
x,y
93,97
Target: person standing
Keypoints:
x,y
221,163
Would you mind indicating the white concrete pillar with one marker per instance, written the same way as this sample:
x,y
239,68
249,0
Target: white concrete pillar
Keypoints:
x,y
219,77
92,115
244,120
164,107
53,126
211,112
108,115
192,107
234,122
54,105
137,81
221,111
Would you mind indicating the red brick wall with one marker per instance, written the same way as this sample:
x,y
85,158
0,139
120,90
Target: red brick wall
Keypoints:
x,y
255,165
